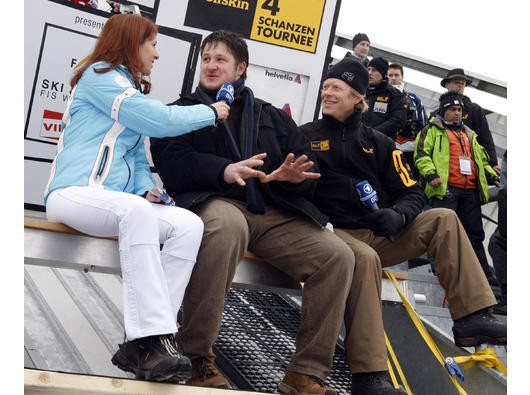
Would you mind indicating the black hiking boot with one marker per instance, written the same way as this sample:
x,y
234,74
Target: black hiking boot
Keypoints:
x,y
153,358
492,280
500,309
373,383
478,328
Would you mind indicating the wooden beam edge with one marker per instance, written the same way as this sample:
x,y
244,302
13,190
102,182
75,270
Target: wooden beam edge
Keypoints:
x,y
50,382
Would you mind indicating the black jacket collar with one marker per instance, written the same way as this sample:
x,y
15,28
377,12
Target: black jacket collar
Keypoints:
x,y
353,120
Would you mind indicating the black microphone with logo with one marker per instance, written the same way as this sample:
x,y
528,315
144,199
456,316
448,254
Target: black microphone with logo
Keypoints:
x,y
369,198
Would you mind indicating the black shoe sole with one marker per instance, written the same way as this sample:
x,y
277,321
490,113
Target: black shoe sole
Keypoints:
x,y
372,391
123,363
172,371
478,340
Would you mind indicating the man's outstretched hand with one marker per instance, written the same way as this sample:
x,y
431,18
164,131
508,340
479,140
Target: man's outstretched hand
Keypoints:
x,y
240,171
291,170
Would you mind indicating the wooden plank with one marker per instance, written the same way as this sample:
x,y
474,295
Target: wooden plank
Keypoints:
x,y
53,383
400,276
41,248
44,224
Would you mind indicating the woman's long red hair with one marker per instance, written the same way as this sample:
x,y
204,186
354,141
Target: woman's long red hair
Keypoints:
x,y
118,44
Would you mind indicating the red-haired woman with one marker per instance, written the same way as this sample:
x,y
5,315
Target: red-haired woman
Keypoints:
x,y
101,184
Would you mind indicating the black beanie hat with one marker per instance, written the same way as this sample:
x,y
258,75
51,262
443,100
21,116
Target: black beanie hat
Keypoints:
x,y
352,72
454,74
380,64
358,38
449,99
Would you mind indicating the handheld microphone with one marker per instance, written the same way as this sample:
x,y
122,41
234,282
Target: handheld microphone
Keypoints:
x,y
369,198
226,93
368,195
162,195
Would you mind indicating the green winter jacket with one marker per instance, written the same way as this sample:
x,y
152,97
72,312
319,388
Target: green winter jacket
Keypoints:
x,y
431,157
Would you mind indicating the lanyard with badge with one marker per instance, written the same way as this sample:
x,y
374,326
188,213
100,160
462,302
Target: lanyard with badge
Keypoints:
x,y
465,159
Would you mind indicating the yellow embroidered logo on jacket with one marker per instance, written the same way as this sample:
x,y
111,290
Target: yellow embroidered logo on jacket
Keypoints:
x,y
320,145
368,150
383,98
402,169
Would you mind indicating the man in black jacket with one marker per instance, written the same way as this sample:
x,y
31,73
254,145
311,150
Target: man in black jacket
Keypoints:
x,y
348,153
361,47
473,115
249,179
498,244
387,106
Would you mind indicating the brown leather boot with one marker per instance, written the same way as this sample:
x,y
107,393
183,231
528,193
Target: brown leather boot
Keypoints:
x,y
300,384
205,374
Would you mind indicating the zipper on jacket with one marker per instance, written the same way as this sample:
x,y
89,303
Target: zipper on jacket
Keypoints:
x,y
257,125
127,163
128,177
102,162
480,190
201,197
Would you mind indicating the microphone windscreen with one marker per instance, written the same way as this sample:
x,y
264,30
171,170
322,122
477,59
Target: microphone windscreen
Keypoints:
x,y
367,194
226,93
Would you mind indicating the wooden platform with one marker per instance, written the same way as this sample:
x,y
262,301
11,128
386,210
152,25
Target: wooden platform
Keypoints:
x,y
37,253
40,382
54,244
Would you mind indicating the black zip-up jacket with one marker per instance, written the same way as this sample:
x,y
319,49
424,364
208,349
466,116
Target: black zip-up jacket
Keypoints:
x,y
387,109
351,152
192,166
475,118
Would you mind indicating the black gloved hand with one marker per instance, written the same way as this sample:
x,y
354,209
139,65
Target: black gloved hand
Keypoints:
x,y
385,222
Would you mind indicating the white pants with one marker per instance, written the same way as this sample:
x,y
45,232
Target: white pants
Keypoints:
x,y
154,281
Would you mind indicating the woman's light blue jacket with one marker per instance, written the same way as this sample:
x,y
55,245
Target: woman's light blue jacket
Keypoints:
x,y
104,127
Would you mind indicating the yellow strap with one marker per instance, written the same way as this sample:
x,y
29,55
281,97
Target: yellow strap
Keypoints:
x,y
398,367
486,357
423,331
392,374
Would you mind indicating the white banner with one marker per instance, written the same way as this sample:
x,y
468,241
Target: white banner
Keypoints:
x,y
289,42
